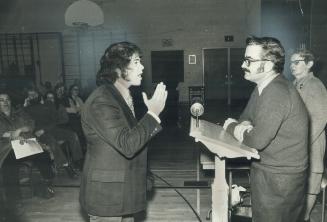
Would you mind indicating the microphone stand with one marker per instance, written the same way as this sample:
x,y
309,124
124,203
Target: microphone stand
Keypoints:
x,y
197,110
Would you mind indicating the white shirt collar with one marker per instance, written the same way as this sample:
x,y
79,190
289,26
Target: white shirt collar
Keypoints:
x,y
263,84
126,95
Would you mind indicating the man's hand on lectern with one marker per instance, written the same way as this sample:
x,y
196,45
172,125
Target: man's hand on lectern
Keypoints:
x,y
241,128
229,121
246,123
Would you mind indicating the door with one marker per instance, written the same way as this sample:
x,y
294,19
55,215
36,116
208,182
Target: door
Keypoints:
x,y
168,67
240,88
223,77
215,68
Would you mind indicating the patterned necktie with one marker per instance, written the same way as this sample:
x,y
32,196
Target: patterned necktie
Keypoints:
x,y
298,85
130,104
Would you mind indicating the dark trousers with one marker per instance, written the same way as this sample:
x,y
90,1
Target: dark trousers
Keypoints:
x,y
75,125
277,197
10,172
58,154
72,139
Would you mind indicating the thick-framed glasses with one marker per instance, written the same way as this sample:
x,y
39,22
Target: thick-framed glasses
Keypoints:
x,y
296,62
248,61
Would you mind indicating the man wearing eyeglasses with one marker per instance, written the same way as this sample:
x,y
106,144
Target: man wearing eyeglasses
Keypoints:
x,y
314,95
275,122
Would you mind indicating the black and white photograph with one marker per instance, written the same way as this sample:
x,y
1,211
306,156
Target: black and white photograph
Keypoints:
x,y
163,110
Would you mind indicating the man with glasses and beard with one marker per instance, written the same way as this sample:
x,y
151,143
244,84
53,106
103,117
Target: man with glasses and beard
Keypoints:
x,y
274,122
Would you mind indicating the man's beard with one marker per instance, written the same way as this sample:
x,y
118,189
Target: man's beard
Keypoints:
x,y
254,77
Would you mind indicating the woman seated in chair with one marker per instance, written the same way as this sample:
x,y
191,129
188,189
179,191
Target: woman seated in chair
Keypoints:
x,y
73,105
45,117
15,124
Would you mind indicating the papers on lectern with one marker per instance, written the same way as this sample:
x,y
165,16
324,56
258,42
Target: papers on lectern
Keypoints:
x,y
26,147
220,142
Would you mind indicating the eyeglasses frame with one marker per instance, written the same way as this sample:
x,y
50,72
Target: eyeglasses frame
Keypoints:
x,y
248,61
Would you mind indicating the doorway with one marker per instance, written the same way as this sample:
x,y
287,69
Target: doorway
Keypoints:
x,y
223,79
168,67
223,76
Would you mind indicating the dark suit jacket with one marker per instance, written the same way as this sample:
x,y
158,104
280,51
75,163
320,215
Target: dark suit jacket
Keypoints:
x,y
114,176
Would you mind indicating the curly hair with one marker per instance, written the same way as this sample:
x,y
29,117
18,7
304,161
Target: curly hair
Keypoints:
x,y
116,57
272,50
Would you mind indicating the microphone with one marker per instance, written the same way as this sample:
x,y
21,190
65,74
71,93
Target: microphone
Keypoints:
x,y
197,110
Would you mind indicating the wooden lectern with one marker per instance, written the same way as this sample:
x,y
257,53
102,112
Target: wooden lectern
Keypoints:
x,y
223,145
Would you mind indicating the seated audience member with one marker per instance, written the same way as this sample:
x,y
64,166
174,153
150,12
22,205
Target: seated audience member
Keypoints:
x,y
73,108
60,94
45,116
314,96
32,99
46,87
75,102
64,133
31,94
62,115
73,105
62,121
16,124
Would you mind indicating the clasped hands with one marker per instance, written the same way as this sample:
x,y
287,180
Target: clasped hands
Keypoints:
x,y
240,128
158,101
16,134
